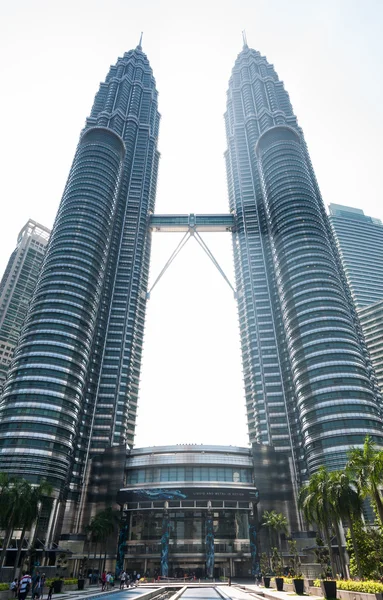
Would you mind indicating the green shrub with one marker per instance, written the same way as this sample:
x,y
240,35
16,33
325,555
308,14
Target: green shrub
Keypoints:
x,y
4,586
368,587
66,581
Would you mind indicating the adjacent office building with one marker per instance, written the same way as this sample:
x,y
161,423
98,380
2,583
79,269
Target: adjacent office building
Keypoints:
x,y
72,391
17,286
371,319
360,243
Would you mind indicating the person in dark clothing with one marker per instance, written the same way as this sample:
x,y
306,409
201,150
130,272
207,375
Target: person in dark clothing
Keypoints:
x,y
50,591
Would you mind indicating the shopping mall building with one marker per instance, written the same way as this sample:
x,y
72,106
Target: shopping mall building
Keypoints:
x,y
191,509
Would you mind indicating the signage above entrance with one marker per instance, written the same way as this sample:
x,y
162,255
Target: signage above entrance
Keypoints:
x,y
184,493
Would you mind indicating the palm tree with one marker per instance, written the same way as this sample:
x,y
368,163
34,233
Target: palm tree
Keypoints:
x,y
268,520
281,526
101,527
275,522
366,465
94,530
347,501
30,514
315,502
20,504
11,504
4,507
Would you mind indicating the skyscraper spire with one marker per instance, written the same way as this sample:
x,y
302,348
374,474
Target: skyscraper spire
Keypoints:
x,y
140,42
244,39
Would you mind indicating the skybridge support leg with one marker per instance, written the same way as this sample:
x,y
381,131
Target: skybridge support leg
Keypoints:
x,y
191,233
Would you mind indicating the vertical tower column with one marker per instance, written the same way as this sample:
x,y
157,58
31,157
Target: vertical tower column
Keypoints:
x,y
43,397
335,398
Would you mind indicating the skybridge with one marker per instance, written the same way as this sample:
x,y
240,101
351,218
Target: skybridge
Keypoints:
x,y
184,223
191,225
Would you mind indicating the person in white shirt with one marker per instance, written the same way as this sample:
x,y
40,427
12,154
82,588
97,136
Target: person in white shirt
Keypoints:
x,y
24,586
122,580
108,580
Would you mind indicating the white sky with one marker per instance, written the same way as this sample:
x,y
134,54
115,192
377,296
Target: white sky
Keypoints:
x,y
54,53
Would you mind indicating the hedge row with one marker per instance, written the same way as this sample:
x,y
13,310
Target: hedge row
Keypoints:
x,y
369,587
67,581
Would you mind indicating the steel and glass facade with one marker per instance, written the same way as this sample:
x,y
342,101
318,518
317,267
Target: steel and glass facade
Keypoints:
x,y
17,286
371,320
360,243
308,385
189,510
72,390
359,240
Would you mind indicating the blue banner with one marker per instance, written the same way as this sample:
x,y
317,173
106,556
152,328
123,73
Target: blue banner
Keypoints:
x,y
165,546
209,547
253,537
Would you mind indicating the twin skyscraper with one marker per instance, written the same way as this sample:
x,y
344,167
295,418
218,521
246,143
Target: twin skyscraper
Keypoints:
x,y
72,388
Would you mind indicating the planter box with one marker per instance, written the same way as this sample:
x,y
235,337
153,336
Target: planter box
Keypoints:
x,y
349,595
69,588
279,583
299,586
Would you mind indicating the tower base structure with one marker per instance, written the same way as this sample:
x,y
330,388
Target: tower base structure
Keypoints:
x,y
185,510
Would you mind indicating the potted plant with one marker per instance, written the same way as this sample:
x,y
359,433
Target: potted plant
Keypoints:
x,y
277,566
80,582
265,569
328,585
58,585
295,568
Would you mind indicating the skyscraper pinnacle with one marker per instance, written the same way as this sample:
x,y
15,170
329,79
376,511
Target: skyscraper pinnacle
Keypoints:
x,y
244,39
139,46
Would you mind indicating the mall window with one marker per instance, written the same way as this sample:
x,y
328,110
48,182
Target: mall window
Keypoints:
x,y
203,473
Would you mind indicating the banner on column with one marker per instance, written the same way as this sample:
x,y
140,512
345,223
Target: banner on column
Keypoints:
x,y
122,539
209,547
165,546
253,537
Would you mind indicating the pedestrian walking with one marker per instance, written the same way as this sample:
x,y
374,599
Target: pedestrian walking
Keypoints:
x,y
14,586
24,586
50,591
35,584
122,580
103,581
